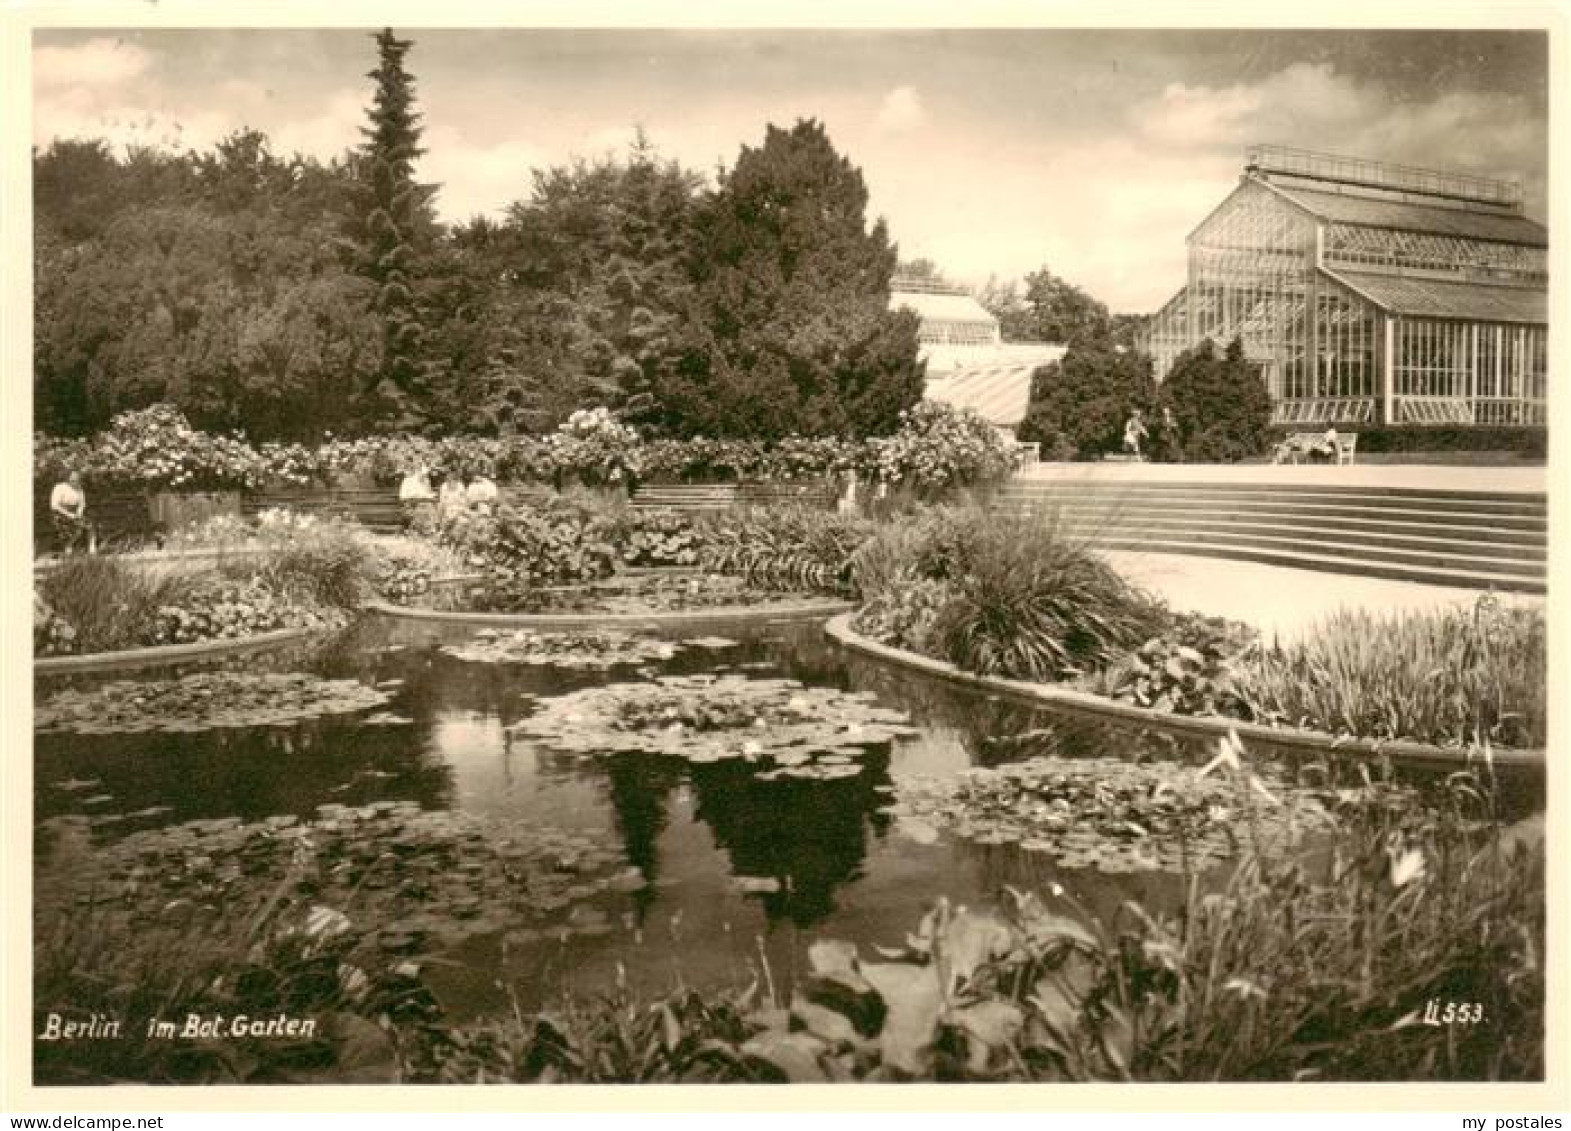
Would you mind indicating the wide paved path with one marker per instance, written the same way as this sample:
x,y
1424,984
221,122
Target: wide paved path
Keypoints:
x,y
1280,601
1408,476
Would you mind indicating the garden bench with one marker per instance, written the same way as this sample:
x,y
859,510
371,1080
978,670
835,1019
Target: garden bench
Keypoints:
x,y
1299,444
722,496
375,508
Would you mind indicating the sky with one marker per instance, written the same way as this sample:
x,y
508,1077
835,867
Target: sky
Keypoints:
x,y
993,153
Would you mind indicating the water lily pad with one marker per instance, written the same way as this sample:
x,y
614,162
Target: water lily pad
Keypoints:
x,y
788,728
587,650
201,701
390,875
1111,815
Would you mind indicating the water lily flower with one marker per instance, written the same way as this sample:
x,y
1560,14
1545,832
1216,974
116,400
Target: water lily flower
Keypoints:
x,y
1407,867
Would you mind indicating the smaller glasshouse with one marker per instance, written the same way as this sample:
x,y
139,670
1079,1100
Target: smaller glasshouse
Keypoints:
x,y
1370,293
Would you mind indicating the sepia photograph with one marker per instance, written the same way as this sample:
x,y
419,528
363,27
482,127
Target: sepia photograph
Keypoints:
x,y
660,555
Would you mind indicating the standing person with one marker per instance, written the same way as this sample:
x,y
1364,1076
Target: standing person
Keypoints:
x,y
68,511
1168,435
848,503
1134,432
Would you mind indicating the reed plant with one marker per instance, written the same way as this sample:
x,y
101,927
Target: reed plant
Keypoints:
x,y
109,604
1450,677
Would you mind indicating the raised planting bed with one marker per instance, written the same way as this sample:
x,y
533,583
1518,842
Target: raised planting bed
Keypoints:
x,y
1413,754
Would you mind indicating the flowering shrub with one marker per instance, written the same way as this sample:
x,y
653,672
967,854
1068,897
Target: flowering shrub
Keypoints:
x,y
157,449
939,449
594,445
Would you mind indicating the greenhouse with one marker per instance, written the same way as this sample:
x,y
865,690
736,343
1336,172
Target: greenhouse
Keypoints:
x,y
1371,293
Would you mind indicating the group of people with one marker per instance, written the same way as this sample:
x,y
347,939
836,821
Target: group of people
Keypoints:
x,y
1136,432
447,495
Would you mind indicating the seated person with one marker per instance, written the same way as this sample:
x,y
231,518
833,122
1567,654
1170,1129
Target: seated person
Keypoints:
x,y
452,497
1328,449
481,491
414,493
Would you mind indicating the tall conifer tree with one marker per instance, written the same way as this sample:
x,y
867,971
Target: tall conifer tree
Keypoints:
x,y
791,329
392,228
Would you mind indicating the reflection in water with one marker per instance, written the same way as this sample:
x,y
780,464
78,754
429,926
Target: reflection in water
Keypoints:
x,y
810,836
639,788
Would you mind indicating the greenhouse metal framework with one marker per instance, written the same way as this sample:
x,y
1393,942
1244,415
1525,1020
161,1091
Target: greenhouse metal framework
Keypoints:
x,y
1371,293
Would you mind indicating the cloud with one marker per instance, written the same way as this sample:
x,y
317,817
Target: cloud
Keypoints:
x,y
477,179
326,134
98,62
900,112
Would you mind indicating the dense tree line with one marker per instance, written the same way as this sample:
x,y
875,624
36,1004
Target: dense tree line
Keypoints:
x,y
289,297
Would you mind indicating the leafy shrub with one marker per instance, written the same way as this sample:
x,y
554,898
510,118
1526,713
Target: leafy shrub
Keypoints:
x,y
1034,603
556,540
1528,442
930,543
1451,677
903,615
214,607
109,605
1189,669
655,538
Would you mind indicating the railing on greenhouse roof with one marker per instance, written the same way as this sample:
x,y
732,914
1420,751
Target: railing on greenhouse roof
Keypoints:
x,y
1380,174
914,286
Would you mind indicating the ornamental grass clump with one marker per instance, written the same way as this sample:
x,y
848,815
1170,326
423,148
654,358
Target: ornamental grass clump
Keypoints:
x,y
108,605
1035,603
324,563
1450,677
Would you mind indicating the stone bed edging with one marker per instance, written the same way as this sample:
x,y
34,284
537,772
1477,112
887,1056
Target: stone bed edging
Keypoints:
x,y
167,653
719,613
1413,753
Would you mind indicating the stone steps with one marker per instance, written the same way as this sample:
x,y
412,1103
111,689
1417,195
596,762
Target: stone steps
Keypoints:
x,y
1473,539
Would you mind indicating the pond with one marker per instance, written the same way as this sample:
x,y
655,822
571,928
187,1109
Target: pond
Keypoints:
x,y
699,870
